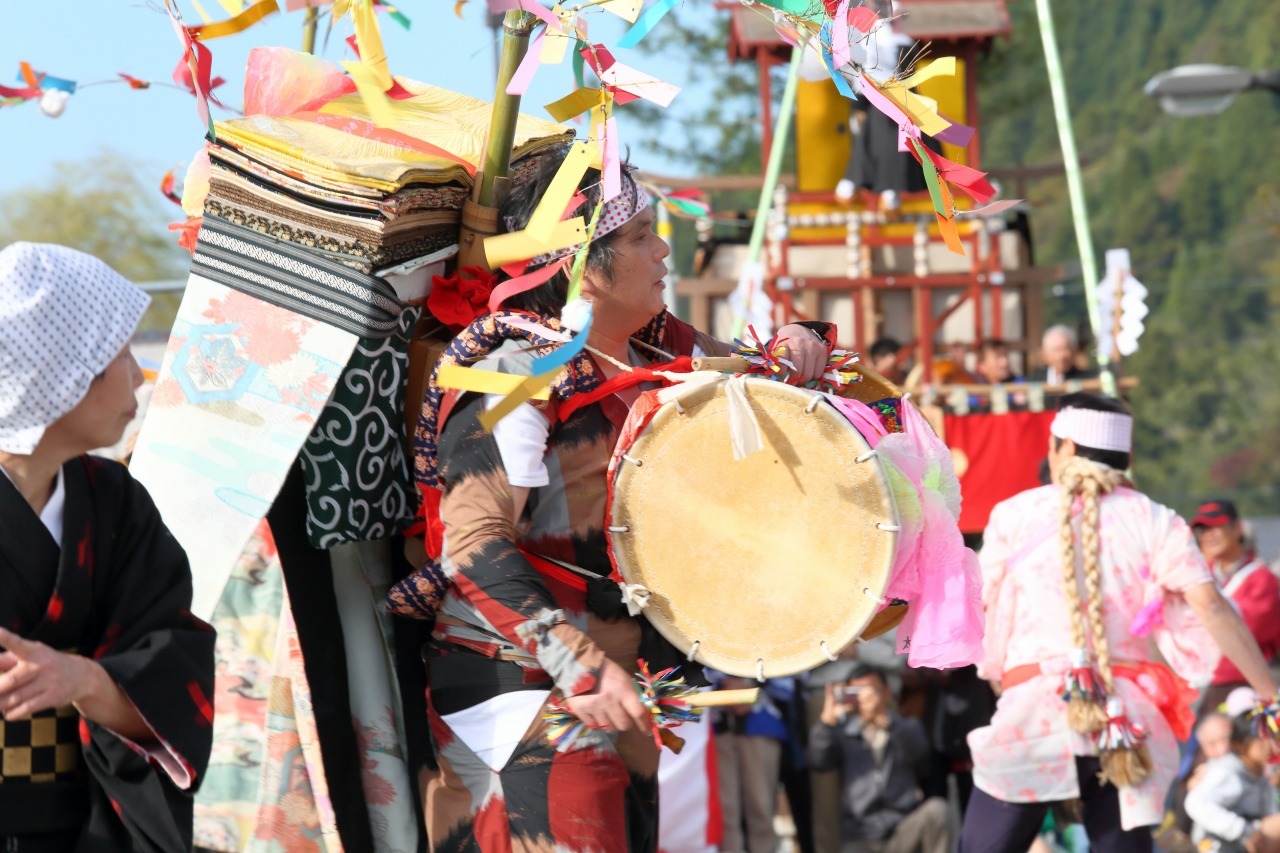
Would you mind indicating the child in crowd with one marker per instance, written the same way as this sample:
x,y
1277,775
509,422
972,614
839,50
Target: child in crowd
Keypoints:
x,y
1233,805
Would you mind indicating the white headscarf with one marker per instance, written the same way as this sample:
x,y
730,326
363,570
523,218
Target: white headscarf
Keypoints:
x,y
64,316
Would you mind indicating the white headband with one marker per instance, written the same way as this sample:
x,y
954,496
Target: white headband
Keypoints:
x,y
1091,428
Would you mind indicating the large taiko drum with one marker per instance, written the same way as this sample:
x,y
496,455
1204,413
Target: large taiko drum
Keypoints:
x,y
762,566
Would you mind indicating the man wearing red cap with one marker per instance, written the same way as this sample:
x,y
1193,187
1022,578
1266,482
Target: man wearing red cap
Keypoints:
x,y
1246,580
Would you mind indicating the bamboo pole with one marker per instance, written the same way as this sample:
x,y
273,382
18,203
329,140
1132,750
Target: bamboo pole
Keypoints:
x,y
309,29
516,26
1075,184
777,150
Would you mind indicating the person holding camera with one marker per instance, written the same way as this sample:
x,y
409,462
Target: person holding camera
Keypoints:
x,y
881,758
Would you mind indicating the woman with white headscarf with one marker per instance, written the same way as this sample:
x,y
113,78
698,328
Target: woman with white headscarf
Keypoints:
x,y
105,676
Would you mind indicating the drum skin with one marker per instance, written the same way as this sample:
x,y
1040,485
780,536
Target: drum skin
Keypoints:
x,y
771,564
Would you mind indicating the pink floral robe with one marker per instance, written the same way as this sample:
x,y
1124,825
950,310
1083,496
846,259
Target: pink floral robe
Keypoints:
x,y
1149,558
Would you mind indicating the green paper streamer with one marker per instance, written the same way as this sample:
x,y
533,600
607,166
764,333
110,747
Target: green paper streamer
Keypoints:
x,y
930,178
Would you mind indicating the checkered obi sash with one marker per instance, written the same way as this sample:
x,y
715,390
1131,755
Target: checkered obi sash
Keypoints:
x,y
42,748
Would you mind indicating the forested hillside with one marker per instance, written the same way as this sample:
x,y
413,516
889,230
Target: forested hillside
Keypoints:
x,y
1197,202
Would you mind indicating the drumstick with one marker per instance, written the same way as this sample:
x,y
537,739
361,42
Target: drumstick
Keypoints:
x,y
722,698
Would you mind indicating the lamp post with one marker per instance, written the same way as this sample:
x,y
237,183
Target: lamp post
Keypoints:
x,y
1201,90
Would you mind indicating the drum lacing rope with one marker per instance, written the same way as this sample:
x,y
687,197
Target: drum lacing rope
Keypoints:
x,y
889,528
826,651
760,670
636,596
864,457
620,528
639,463
813,404
871,595
693,650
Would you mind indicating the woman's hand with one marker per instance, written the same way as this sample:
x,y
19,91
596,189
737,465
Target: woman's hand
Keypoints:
x,y
614,705
805,349
36,678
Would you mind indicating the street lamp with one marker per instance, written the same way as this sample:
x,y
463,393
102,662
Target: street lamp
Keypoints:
x,y
1200,90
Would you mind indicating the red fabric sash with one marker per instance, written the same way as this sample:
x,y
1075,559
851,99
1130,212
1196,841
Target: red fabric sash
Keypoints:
x,y
628,379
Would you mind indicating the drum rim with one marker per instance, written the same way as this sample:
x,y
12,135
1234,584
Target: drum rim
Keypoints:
x,y
763,668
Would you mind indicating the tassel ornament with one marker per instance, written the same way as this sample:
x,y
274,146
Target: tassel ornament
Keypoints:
x,y
1122,748
1085,697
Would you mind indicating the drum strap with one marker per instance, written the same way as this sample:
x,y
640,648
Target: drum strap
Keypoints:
x,y
565,573
628,379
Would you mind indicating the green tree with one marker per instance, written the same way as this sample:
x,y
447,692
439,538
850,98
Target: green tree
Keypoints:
x,y
101,206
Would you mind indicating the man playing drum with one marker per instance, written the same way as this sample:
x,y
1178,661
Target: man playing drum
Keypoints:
x,y
523,509
1079,578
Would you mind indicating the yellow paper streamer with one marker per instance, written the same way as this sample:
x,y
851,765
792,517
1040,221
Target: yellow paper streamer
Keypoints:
x,y
233,7
483,381
502,249
369,37
240,22
628,10
943,67
200,11
575,103
525,392
372,93
554,201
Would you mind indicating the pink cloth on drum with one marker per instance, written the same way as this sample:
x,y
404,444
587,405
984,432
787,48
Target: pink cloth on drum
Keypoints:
x,y
933,570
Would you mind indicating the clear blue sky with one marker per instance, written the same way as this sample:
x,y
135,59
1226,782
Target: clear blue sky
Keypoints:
x,y
90,40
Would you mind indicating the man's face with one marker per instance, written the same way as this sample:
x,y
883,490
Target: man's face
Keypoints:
x,y
634,295
994,366
1058,352
872,696
1221,544
1214,735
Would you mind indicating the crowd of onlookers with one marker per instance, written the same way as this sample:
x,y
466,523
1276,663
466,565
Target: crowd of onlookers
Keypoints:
x,y
866,756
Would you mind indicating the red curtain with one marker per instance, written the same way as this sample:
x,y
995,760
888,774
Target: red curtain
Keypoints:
x,y
996,456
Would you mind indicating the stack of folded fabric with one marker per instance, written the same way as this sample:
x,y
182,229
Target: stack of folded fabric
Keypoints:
x,y
320,234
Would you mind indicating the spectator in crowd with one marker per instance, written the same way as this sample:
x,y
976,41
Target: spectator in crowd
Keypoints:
x,y
882,758
885,356
1245,579
749,741
993,362
1233,806
1212,739
1059,350
950,368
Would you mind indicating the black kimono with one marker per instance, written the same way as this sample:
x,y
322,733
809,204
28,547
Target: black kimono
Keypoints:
x,y
118,590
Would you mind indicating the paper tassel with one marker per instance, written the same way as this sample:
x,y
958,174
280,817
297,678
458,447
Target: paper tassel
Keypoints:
x,y
665,695
1266,718
1084,695
1123,752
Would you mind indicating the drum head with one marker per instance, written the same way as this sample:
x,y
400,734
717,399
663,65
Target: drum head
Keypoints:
x,y
774,558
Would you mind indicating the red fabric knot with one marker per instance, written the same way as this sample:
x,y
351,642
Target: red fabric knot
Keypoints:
x,y
458,299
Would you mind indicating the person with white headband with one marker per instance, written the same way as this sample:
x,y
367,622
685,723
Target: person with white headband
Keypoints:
x,y
106,678
518,587
1084,581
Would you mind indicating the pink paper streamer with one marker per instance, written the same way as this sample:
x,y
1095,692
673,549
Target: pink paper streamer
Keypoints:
x,y
530,6
508,289
862,19
611,161
905,126
524,74
840,36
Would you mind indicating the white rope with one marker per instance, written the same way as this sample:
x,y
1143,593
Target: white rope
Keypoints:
x,y
744,429
620,528
871,595
813,404
639,463
890,528
636,596
864,457
760,670
826,651
693,650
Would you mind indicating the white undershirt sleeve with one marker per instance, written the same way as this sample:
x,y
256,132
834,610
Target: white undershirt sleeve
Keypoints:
x,y
522,442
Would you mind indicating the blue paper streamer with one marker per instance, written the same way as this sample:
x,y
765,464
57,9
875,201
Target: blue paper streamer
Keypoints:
x,y
842,85
562,356
48,81
646,22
